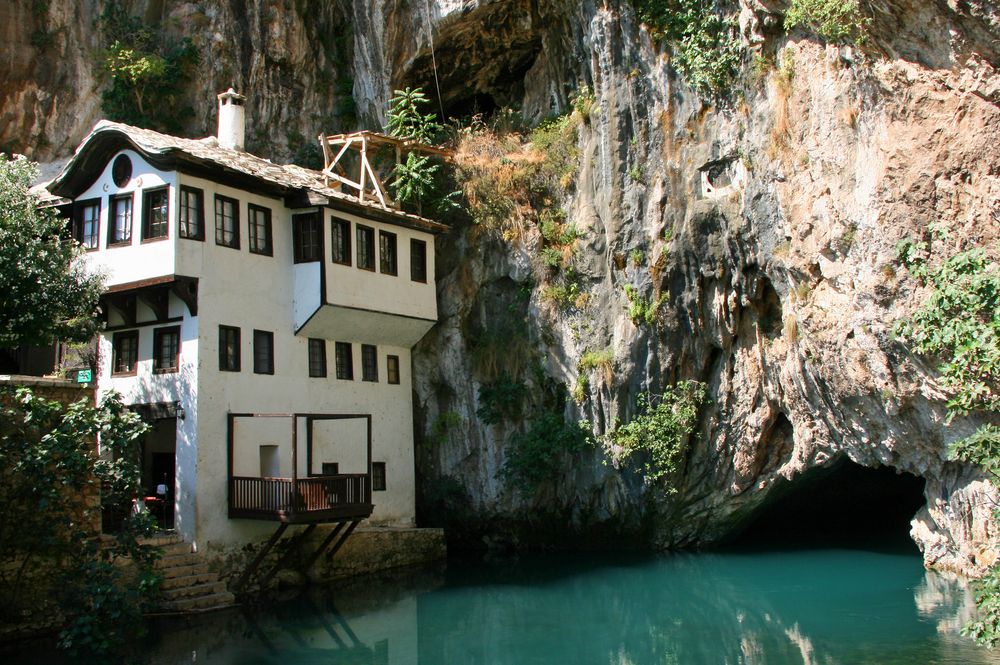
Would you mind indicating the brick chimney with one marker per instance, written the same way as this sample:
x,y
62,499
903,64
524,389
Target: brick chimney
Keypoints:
x,y
232,120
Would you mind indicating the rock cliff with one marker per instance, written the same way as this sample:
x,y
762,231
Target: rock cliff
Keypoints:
x,y
763,222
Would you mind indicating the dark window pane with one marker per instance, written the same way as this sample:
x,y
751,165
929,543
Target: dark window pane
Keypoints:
x,y
229,349
317,357
345,360
125,352
392,369
330,468
260,230
307,238
227,222
155,215
192,214
418,260
86,224
120,223
166,349
378,476
387,252
340,234
369,363
366,248
263,352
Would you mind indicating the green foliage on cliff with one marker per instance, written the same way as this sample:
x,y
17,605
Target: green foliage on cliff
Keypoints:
x,y
659,432
44,294
706,42
406,119
536,455
52,561
502,400
959,324
641,310
833,20
149,71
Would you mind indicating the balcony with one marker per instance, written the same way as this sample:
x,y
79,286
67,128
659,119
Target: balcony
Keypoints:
x,y
301,500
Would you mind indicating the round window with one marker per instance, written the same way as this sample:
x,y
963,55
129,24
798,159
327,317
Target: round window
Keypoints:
x,y
121,171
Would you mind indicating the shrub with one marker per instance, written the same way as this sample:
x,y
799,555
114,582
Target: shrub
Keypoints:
x,y
706,43
660,430
832,20
602,361
536,455
501,400
641,310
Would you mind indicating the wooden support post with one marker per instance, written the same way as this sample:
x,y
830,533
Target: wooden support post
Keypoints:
x,y
292,548
322,546
364,162
245,577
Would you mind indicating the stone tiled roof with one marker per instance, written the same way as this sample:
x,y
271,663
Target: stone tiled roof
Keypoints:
x,y
207,152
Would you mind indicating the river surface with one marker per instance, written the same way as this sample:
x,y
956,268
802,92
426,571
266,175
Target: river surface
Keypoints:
x,y
809,606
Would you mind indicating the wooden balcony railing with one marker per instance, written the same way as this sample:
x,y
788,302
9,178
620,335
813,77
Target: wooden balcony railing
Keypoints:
x,y
312,499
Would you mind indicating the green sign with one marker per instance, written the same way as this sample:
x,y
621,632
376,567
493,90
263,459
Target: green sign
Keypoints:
x,y
84,376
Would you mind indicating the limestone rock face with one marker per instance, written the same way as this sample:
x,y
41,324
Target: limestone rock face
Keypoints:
x,y
766,223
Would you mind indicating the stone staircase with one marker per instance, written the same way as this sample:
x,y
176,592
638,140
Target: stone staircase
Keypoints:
x,y
188,586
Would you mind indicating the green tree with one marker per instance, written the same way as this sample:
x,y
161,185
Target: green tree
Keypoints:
x,y
959,325
417,180
406,120
53,486
45,294
143,62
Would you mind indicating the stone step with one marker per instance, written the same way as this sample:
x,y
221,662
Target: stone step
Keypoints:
x,y
176,548
177,560
161,540
183,571
204,589
201,603
187,580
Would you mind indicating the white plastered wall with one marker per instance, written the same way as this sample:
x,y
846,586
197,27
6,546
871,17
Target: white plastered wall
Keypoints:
x,y
249,291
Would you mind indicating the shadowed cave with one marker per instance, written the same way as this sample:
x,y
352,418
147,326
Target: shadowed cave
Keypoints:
x,y
844,505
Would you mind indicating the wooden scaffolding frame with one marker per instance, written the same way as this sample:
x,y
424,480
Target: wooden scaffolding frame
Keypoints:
x,y
368,185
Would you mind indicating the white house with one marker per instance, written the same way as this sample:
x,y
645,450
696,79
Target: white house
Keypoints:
x,y
262,320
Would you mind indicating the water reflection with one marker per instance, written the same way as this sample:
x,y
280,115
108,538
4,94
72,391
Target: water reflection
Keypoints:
x,y
810,607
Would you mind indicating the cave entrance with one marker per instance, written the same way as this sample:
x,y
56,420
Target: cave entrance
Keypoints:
x,y
844,505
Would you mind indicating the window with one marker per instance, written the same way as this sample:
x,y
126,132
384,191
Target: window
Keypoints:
x,y
124,352
87,223
317,357
340,235
366,248
369,363
330,469
120,222
192,213
263,352
307,238
260,230
121,170
166,349
378,476
344,358
155,213
418,260
227,222
392,369
387,253
229,349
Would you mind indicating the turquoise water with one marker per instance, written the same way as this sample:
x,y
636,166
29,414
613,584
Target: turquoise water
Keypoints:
x,y
814,607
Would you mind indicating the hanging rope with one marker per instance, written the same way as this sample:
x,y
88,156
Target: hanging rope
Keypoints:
x,y
437,84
